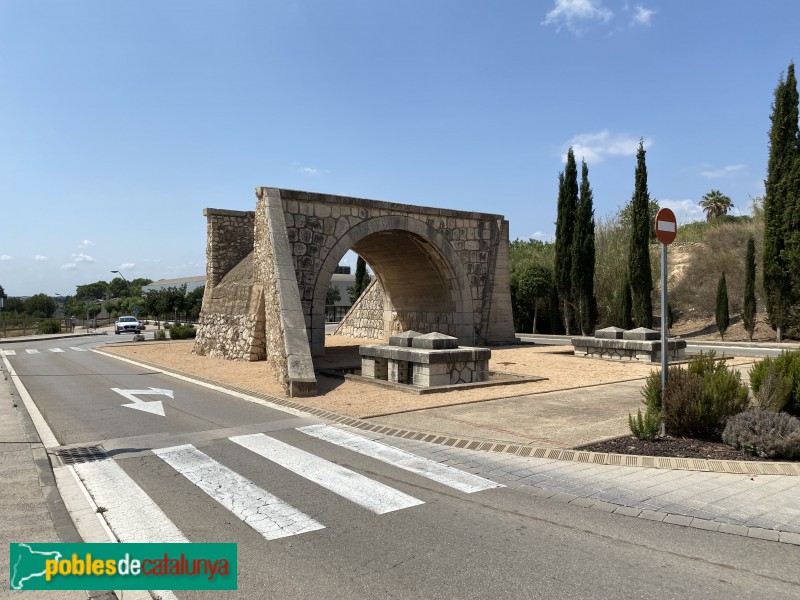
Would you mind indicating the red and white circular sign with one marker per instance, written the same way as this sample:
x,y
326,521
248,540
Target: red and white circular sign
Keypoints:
x,y
666,226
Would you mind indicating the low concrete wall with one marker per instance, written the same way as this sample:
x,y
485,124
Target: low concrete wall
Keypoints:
x,y
633,350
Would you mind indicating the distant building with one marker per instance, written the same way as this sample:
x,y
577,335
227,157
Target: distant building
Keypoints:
x,y
192,283
341,279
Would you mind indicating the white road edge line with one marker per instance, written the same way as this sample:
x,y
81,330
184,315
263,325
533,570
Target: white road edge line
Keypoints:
x,y
372,495
132,515
90,524
267,514
42,428
444,474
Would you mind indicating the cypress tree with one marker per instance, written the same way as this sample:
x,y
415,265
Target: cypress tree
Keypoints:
x,y
783,141
583,257
623,317
749,304
565,233
639,274
722,316
362,280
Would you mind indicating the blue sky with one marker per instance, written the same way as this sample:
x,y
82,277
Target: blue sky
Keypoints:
x,y
120,121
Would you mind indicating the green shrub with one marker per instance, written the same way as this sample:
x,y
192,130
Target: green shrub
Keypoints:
x,y
787,367
159,335
182,332
50,326
774,391
701,398
647,426
652,392
764,433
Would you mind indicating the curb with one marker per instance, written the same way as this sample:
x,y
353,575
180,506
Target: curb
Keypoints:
x,y
774,535
735,467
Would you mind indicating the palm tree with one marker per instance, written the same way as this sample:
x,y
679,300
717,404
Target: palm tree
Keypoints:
x,y
715,204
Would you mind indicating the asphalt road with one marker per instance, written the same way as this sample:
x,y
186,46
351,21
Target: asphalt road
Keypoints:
x,y
213,462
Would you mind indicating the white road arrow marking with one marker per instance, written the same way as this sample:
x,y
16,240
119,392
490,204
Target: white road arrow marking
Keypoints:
x,y
154,406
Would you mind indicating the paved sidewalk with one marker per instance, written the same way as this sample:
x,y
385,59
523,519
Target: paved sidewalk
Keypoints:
x,y
759,506
30,504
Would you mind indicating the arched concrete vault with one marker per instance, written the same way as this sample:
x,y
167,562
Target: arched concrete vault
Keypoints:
x,y
438,270
423,282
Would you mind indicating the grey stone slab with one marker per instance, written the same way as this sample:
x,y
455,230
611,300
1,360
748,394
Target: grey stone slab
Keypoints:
x,y
584,502
609,333
763,534
403,339
652,515
678,519
733,529
705,524
640,334
789,538
434,341
628,511
605,506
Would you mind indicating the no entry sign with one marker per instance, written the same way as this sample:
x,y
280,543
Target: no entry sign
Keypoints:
x,y
666,226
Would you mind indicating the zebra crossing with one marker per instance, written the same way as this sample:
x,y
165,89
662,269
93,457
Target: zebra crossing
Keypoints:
x,y
5,352
134,516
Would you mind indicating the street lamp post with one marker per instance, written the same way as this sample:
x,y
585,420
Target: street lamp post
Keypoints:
x,y
127,283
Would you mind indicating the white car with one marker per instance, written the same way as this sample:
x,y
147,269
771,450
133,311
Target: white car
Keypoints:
x,y
127,325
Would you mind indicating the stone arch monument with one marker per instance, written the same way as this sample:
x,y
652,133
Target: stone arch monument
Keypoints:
x,y
268,272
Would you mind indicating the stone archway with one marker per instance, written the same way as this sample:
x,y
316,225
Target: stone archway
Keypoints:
x,y
423,283
268,273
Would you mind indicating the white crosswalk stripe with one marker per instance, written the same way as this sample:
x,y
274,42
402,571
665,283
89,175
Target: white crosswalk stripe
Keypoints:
x,y
372,495
78,349
56,350
449,476
32,351
10,352
132,515
270,516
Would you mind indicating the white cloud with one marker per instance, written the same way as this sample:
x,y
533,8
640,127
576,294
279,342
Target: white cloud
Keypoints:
x,y
127,266
69,267
575,15
596,147
152,260
685,211
5,258
726,170
86,244
40,258
642,15
542,236
81,258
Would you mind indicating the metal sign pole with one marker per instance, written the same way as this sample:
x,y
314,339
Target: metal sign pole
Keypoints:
x,y
664,338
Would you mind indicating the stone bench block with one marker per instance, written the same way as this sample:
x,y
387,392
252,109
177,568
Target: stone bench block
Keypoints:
x,y
641,333
434,341
403,339
609,333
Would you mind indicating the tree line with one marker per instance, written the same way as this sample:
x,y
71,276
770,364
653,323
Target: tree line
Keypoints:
x,y
117,297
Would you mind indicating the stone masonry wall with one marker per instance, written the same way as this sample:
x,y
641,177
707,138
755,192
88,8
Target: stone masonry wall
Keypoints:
x,y
286,339
319,226
365,318
229,235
